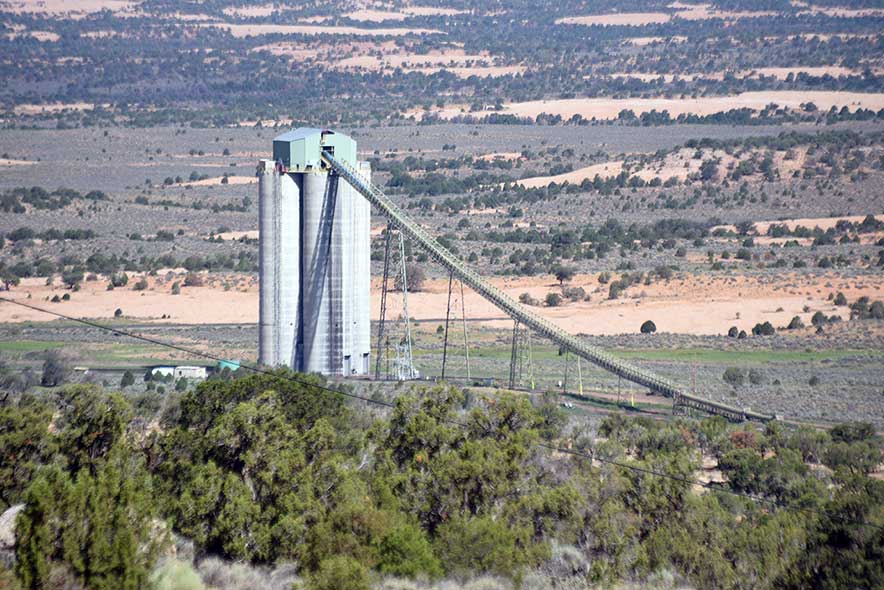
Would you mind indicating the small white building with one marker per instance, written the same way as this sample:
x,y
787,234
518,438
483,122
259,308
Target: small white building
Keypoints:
x,y
186,371
191,372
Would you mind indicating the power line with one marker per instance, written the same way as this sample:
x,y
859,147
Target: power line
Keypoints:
x,y
577,453
193,352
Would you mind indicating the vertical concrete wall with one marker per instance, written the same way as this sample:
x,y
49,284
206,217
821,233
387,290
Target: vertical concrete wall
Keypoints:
x,y
279,260
318,203
360,248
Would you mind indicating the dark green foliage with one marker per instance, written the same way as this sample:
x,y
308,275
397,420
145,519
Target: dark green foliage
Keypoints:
x,y
127,379
734,376
852,432
405,551
25,444
264,469
55,370
336,573
842,554
91,424
98,525
763,329
795,324
553,299
648,327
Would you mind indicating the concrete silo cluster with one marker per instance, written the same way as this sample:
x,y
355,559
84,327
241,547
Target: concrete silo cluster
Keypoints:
x,y
314,258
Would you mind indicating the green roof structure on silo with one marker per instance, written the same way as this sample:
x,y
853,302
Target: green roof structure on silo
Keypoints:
x,y
300,149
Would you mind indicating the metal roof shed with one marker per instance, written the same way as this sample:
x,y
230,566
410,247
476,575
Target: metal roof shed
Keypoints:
x,y
300,149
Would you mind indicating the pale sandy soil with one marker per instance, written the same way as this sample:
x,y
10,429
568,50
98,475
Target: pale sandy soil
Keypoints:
x,y
290,49
679,164
479,71
622,18
65,7
180,16
783,73
241,30
235,235
11,162
375,15
842,12
372,15
453,60
264,123
705,11
642,41
609,108
195,305
605,170
432,11
252,11
38,35
36,109
778,73
702,304
217,181
695,305
500,156
823,223
104,34
684,11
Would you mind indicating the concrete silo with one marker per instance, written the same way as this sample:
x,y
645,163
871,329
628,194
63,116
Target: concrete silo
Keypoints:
x,y
280,265
333,252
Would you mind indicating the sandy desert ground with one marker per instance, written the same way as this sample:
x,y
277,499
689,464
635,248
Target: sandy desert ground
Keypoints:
x,y
609,108
691,304
243,30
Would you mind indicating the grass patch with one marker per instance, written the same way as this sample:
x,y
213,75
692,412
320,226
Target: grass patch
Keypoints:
x,y
26,346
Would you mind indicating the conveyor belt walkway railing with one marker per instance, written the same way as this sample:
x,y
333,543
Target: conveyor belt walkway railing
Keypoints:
x,y
508,305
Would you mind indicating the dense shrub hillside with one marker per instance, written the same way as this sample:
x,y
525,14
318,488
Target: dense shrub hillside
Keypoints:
x,y
270,470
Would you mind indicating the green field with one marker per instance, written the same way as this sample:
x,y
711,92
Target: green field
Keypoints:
x,y
701,355
26,346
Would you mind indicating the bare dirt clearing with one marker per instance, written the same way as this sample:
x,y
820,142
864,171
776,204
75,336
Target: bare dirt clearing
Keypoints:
x,y
35,109
609,108
636,19
706,12
642,41
218,181
242,30
70,8
695,305
692,304
195,305
375,15
604,170
778,73
823,223
453,60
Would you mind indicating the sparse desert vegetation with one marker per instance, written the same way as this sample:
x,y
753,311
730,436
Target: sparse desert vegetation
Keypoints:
x,y
694,187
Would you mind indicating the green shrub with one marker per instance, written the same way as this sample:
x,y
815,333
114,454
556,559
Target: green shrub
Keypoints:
x,y
339,573
406,552
173,574
734,376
